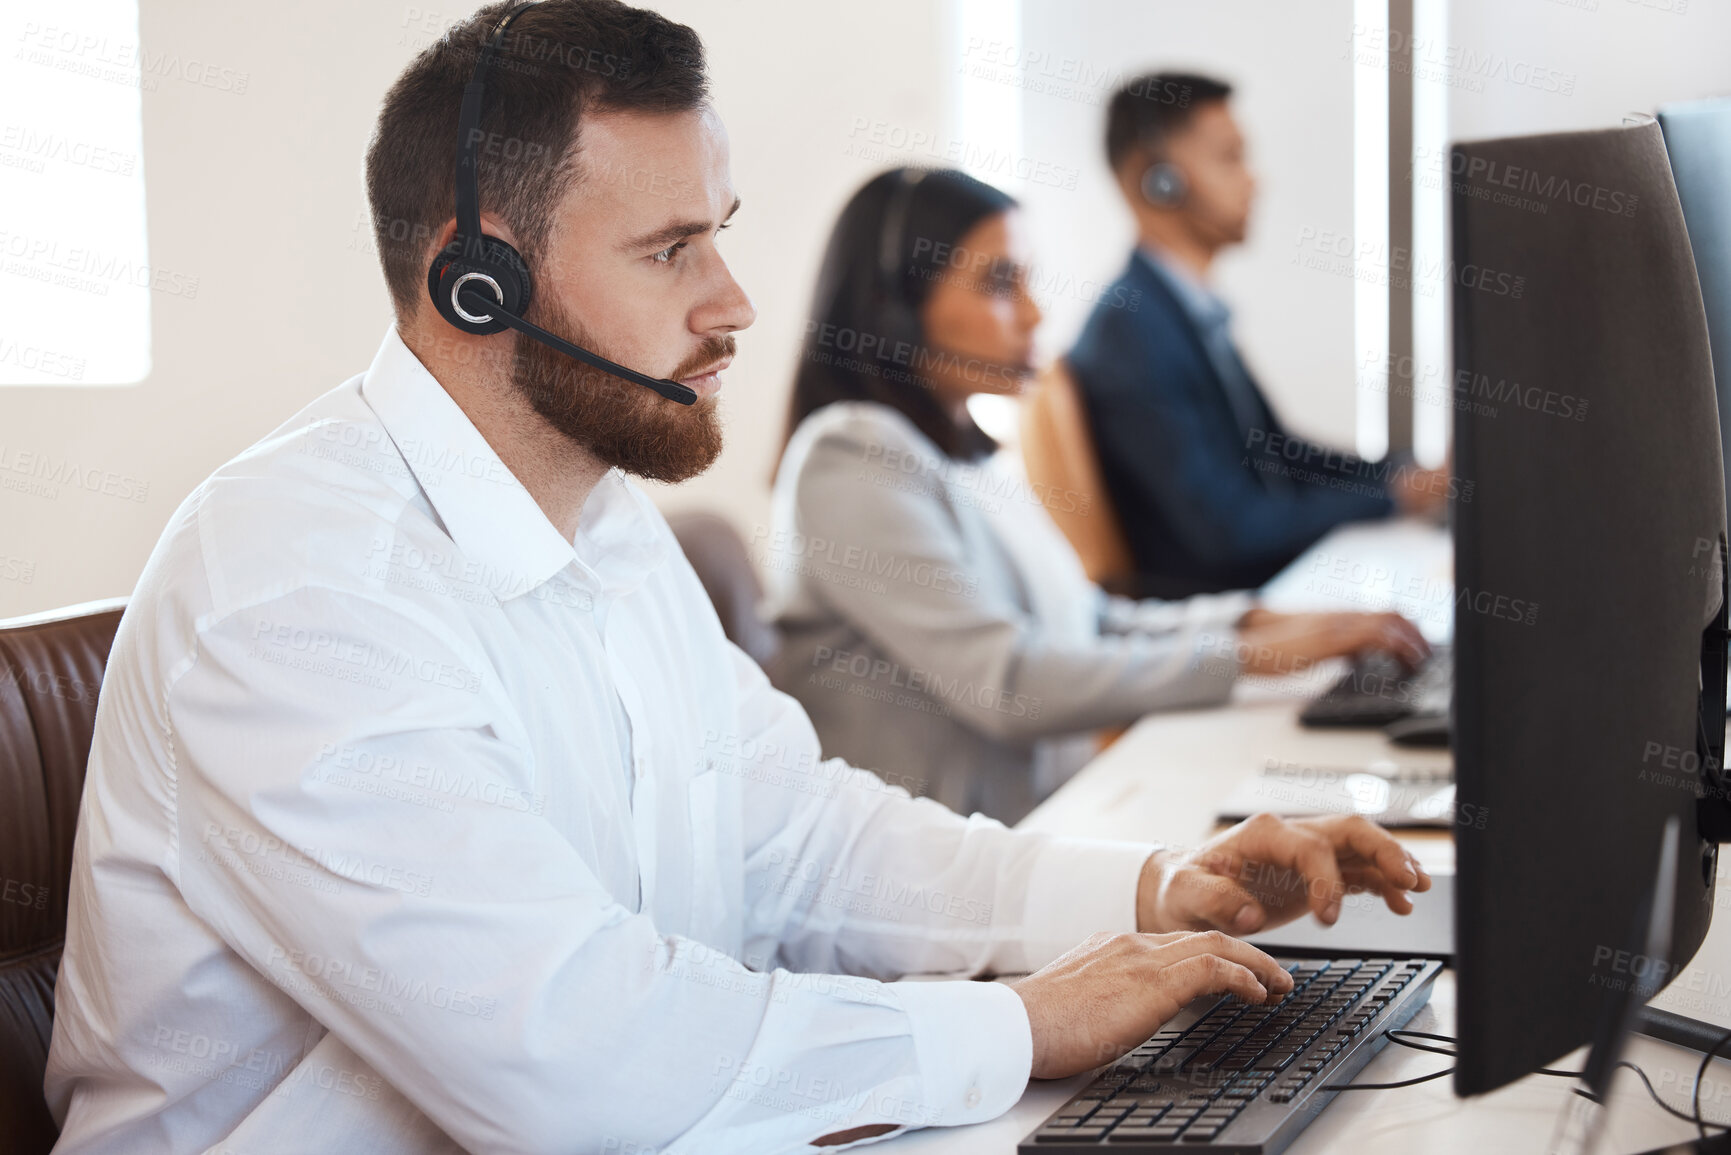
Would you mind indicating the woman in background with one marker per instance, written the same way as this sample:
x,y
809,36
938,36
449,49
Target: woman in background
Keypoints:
x,y
935,620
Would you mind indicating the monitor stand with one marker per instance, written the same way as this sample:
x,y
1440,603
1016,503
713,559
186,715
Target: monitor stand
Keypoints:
x,y
1581,1125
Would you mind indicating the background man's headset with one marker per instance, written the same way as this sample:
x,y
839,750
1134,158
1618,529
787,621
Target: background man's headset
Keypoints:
x,y
1163,184
479,283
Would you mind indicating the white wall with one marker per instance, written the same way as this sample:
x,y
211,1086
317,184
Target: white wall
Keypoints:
x,y
259,196
1614,57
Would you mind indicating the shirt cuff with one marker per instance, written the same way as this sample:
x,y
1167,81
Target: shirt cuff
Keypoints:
x,y
1222,611
975,1048
1079,886
1218,661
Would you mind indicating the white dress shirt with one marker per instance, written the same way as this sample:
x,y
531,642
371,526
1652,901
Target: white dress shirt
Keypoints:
x,y
413,826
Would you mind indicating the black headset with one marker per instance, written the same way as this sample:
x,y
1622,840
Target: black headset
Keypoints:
x,y
896,312
479,283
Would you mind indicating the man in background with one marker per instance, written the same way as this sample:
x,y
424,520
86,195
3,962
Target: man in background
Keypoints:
x,y
1212,490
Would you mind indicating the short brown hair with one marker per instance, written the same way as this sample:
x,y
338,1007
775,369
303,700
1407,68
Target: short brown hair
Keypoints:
x,y
558,59
1150,109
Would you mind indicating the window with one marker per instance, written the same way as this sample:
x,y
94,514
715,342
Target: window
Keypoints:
x,y
75,274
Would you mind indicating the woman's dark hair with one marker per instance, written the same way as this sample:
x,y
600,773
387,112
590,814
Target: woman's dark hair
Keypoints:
x,y
863,338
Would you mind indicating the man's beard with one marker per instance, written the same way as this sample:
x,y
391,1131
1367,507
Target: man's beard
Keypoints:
x,y
622,423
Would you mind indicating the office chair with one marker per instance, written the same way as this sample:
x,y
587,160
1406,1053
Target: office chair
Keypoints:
x,y
50,670
718,555
1058,453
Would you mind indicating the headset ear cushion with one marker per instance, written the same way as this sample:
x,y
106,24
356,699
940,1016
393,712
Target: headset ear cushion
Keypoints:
x,y
901,342
1163,184
498,263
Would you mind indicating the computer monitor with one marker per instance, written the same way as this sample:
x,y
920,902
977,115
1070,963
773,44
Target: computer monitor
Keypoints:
x,y
1589,586
1698,139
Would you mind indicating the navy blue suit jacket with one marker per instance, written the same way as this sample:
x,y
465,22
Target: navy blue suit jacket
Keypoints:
x,y
1193,492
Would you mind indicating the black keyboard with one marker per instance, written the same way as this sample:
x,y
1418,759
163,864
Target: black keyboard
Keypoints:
x,y
1379,690
1240,1076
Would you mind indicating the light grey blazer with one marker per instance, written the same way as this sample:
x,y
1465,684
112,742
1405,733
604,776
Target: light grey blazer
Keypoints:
x,y
939,629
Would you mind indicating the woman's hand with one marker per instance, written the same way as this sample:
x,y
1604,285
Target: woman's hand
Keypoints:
x,y
1277,643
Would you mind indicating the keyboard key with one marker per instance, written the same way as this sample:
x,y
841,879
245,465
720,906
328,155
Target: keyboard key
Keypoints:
x,y
1068,1134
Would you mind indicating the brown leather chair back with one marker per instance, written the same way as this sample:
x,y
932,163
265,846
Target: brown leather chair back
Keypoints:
x,y
718,555
50,670
1058,453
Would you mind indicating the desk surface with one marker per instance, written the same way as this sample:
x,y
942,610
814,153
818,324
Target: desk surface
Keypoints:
x,y
1405,565
1164,781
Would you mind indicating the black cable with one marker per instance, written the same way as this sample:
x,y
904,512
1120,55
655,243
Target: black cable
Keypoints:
x,y
1651,1092
1701,1073
1386,1086
1691,1116
1392,1037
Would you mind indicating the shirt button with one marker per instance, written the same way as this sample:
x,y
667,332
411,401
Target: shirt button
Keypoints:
x,y
972,1098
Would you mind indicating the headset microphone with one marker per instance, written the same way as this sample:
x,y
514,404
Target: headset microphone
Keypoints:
x,y
479,283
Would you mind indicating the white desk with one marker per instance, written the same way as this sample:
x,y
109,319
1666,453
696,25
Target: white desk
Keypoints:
x,y
1164,780
1405,565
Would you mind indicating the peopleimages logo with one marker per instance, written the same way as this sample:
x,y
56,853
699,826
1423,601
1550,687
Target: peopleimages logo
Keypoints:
x,y
339,979
352,659
50,473
861,673
1482,177
782,549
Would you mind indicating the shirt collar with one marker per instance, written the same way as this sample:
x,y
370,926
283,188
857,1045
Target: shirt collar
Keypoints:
x,y
490,516
1196,298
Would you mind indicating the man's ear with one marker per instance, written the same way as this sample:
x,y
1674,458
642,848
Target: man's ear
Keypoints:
x,y
1129,177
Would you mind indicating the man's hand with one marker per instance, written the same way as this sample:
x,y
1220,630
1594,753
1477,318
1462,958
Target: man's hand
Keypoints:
x,y
1266,871
1421,492
1109,994
1279,643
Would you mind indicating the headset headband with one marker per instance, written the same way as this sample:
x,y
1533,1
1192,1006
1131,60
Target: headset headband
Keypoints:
x,y
469,132
895,224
